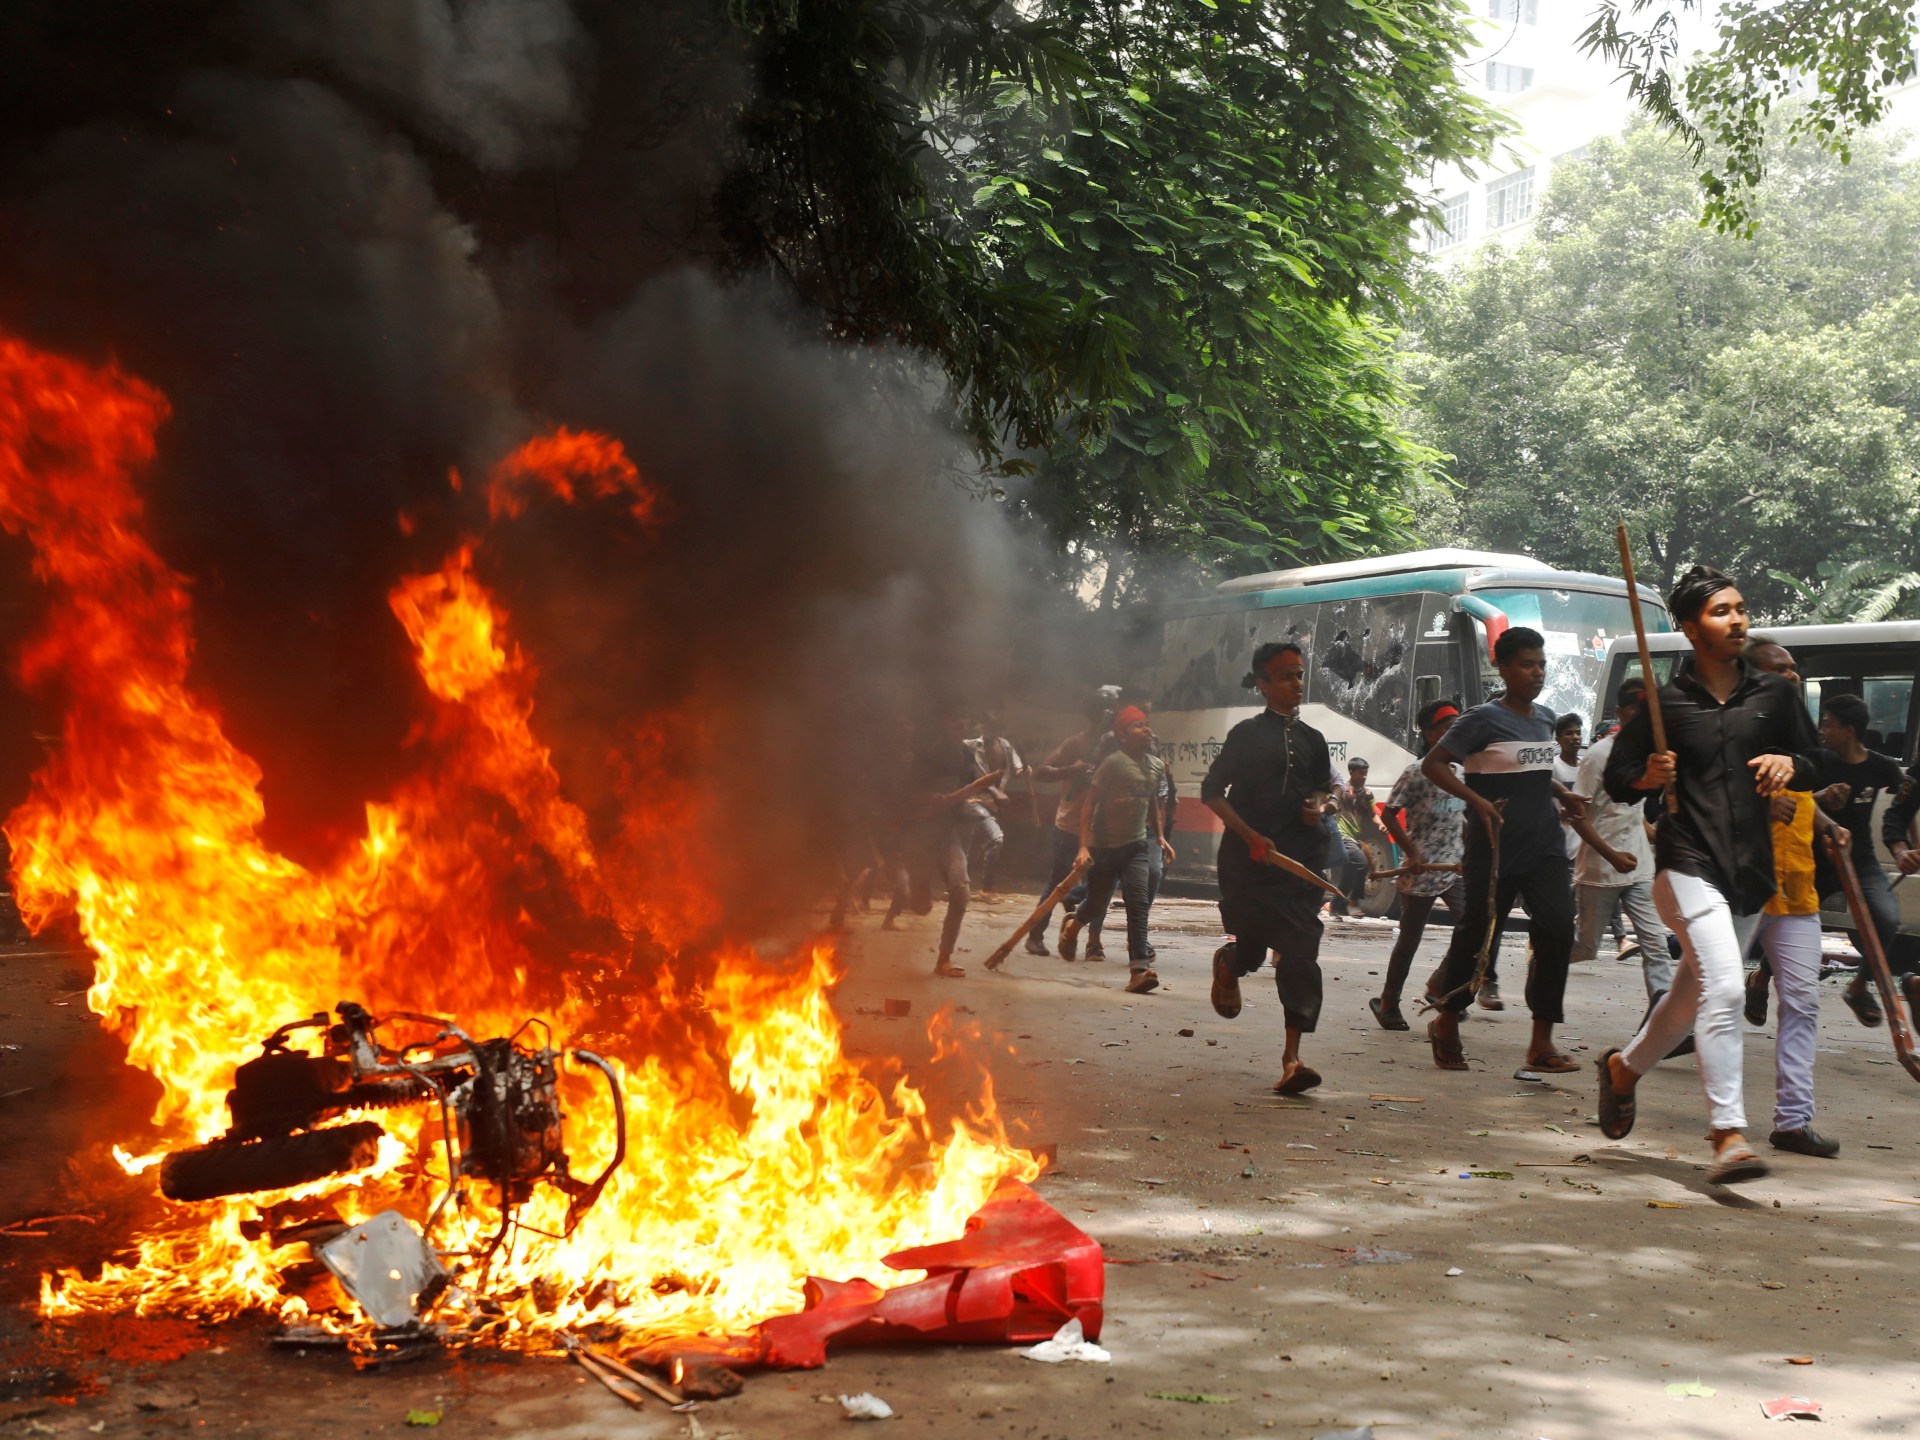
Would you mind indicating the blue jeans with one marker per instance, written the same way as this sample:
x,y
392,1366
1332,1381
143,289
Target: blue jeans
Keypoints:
x,y
1126,866
1066,849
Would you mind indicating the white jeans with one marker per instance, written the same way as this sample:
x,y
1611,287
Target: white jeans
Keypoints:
x,y
1707,993
1792,945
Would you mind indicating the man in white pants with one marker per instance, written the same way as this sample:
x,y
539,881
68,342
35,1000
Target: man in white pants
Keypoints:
x,y
1616,862
1789,936
1736,736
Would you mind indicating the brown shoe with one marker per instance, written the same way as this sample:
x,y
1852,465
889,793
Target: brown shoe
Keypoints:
x,y
1226,983
1142,981
1069,937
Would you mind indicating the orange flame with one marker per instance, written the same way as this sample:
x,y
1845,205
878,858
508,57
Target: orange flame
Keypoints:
x,y
759,1153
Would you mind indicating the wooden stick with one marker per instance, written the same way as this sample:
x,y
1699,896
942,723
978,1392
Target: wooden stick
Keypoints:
x,y
645,1381
1414,870
1646,659
1868,939
1294,867
999,956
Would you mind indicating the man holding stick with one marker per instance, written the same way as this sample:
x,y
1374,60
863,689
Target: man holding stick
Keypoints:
x,y
1736,736
1514,849
1119,837
1433,835
1267,785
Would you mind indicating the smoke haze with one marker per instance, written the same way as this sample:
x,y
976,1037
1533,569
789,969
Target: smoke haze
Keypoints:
x,y
363,245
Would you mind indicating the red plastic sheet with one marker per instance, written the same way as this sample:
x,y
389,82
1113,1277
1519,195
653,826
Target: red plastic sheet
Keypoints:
x,y
1021,1271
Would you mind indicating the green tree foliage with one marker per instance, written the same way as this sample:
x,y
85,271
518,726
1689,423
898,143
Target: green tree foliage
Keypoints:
x,y
1153,246
1835,60
1751,402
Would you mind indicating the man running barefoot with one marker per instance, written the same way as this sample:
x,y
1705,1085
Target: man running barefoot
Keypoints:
x,y
1737,736
1267,785
1507,748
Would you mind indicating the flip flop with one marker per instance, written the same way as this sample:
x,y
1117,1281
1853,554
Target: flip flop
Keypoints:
x,y
1389,1018
950,972
1554,1064
1616,1110
1304,1078
1735,1165
1865,1005
1447,1058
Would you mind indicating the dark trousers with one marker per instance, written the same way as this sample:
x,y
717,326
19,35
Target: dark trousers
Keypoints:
x,y
1127,867
1066,849
1156,872
1546,888
1884,910
1284,917
1414,910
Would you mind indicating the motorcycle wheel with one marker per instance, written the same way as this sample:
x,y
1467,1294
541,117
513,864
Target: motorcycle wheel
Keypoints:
x,y
239,1167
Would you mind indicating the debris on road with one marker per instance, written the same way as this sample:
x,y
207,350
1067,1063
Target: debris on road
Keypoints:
x,y
1069,1342
865,1406
1791,1407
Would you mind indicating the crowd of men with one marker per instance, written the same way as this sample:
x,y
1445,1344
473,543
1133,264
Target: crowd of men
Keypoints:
x,y
1715,849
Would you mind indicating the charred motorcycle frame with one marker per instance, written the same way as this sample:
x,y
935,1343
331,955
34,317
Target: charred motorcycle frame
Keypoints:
x,y
499,1103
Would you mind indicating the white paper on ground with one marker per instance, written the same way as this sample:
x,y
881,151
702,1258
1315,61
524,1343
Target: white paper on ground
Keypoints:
x,y
1069,1342
866,1407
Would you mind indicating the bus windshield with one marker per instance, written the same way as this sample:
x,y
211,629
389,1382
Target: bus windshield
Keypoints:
x,y
1578,626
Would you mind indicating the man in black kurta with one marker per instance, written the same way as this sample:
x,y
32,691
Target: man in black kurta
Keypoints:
x,y
1268,785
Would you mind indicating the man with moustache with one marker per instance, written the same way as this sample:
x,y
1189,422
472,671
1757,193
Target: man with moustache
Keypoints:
x,y
1506,748
1737,736
1268,785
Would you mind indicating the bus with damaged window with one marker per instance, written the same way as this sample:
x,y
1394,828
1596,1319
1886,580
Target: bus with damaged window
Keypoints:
x,y
1381,637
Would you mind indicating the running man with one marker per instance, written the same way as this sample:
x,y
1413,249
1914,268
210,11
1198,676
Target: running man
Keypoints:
x,y
1851,780
1737,737
1434,834
1615,868
1507,749
1119,831
1268,786
1789,940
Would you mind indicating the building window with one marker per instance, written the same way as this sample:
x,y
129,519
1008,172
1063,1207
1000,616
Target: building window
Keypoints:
x,y
1527,12
1451,226
1504,79
1510,199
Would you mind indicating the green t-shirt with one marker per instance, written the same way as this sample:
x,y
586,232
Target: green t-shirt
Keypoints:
x,y
1122,791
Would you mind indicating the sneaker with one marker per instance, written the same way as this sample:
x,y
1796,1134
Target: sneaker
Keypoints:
x,y
1226,983
1037,943
1805,1141
1756,1006
1069,938
1488,997
1141,981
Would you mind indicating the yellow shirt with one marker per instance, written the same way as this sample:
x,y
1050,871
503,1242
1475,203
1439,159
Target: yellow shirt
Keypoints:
x,y
1793,861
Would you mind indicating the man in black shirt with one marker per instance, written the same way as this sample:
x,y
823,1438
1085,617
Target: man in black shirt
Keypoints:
x,y
1267,785
1851,780
1736,736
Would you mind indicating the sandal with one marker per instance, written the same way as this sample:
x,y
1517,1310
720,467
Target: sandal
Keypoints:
x,y
1866,1009
1446,1057
1554,1064
1735,1165
947,970
1388,1016
1616,1110
1303,1078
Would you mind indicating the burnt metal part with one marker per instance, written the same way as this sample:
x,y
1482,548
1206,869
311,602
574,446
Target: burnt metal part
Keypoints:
x,y
240,1167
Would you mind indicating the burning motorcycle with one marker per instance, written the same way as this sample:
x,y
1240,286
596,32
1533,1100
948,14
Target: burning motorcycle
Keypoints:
x,y
499,1104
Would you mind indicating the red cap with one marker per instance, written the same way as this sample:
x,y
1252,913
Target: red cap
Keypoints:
x,y
1125,716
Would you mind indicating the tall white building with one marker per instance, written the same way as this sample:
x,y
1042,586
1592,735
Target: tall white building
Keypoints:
x,y
1527,61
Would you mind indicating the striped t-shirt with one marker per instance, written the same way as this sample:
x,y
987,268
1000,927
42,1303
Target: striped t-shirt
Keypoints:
x,y
1510,757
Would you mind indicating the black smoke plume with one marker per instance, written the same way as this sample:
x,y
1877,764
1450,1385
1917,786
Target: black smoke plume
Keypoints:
x,y
364,244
